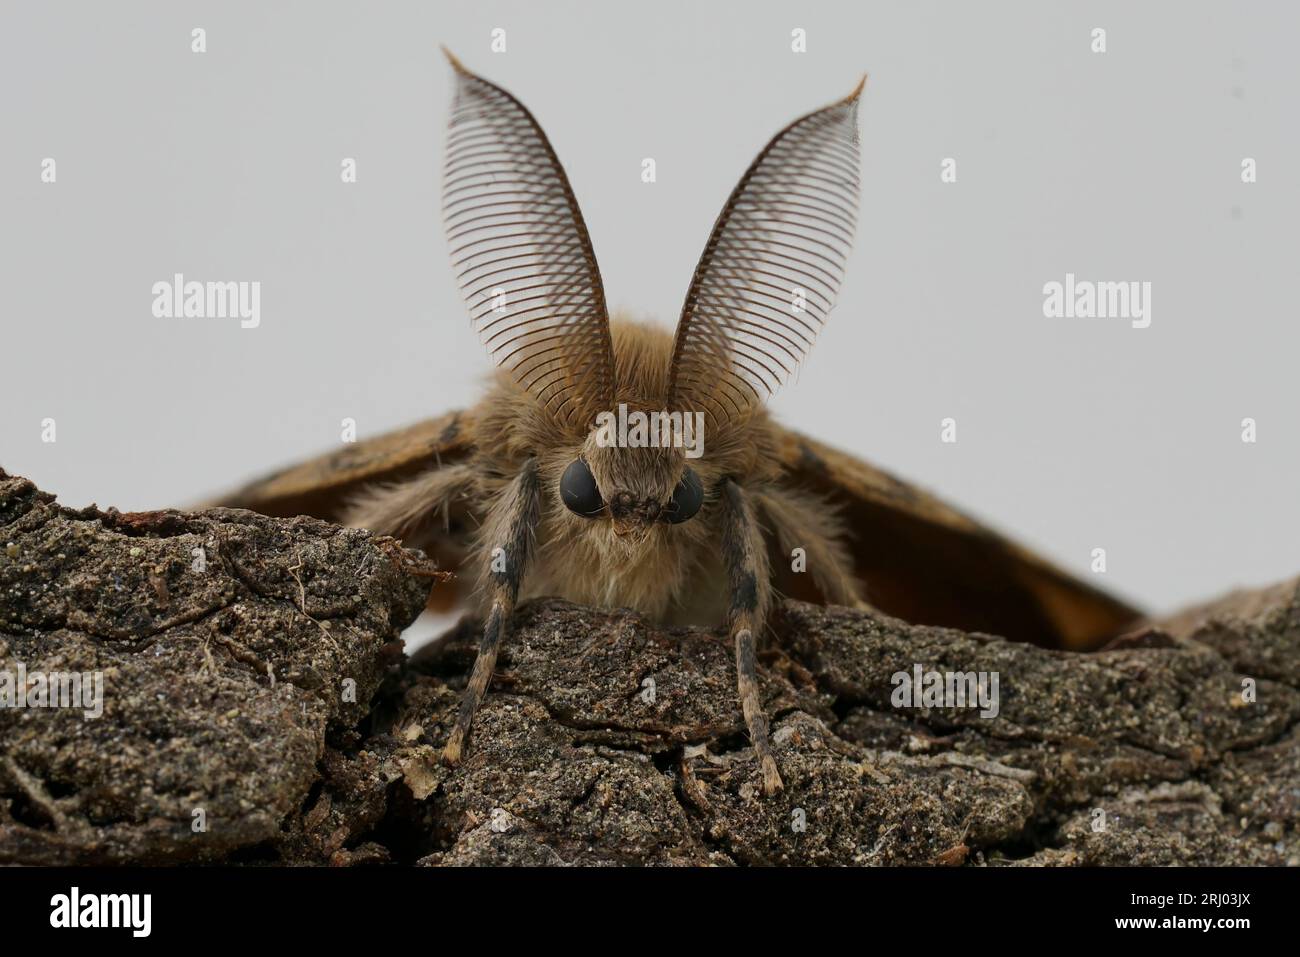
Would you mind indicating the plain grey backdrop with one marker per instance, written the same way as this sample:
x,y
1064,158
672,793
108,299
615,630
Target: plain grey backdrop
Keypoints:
x,y
1072,434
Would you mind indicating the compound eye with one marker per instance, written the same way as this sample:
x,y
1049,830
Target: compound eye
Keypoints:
x,y
687,498
578,490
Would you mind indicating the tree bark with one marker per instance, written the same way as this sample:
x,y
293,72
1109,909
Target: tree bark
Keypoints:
x,y
603,739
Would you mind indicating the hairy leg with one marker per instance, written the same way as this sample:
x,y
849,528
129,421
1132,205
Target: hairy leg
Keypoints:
x,y
801,520
404,509
505,543
745,556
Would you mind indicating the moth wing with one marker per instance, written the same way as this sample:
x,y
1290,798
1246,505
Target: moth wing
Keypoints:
x,y
323,486
922,560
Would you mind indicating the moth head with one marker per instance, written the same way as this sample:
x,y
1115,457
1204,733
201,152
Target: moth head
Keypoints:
x,y
638,491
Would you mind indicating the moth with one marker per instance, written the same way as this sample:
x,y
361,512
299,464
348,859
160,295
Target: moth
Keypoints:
x,y
525,495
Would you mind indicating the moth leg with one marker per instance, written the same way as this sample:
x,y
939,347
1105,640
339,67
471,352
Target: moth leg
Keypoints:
x,y
745,557
505,545
805,521
405,508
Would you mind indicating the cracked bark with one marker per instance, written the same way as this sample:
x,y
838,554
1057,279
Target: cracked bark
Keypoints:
x,y
603,739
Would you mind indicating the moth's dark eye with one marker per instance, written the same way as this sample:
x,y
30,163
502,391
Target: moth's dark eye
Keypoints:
x,y
687,498
578,490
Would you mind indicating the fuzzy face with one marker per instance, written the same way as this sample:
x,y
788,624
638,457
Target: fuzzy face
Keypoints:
x,y
635,484
627,554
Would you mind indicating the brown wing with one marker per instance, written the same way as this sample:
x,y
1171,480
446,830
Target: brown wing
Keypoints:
x,y
321,487
923,561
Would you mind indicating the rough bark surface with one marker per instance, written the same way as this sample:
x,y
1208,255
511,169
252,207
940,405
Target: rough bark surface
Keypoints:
x,y
232,648
603,740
